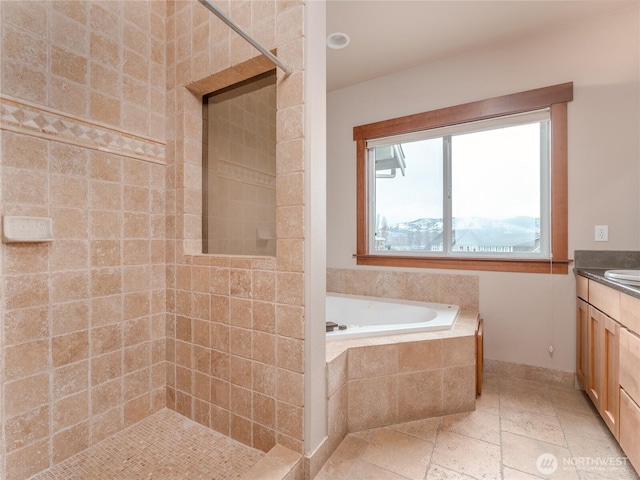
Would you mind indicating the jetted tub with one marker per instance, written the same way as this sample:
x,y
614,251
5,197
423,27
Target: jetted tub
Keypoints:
x,y
373,316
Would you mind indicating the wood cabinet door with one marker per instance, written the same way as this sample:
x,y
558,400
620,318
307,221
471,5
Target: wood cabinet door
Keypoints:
x,y
595,330
605,299
630,313
582,344
630,363
629,428
582,287
610,390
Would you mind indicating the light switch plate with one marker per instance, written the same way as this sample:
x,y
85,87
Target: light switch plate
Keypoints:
x,y
26,229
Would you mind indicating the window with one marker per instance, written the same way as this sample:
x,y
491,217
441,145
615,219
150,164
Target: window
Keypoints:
x,y
477,186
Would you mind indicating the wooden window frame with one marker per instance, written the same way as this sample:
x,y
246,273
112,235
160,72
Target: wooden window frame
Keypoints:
x,y
555,98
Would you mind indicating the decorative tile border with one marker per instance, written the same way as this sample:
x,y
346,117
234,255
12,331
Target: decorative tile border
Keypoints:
x,y
22,117
242,174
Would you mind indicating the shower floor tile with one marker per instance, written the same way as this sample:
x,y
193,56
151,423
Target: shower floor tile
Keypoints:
x,y
164,446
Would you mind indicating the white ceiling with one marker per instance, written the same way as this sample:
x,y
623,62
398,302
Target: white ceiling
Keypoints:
x,y
393,35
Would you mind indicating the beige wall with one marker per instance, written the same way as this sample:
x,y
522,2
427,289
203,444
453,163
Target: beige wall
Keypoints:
x,y
524,313
83,144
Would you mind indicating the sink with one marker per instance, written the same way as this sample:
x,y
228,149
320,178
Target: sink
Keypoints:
x,y
630,277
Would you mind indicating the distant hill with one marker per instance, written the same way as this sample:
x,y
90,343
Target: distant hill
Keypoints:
x,y
470,234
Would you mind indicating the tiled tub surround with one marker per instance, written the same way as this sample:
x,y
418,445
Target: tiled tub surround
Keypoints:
x,y
461,290
378,381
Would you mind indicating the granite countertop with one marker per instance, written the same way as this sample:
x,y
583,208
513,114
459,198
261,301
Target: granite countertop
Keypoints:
x,y
593,263
597,274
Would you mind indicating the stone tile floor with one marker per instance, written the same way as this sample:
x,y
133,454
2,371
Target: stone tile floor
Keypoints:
x,y
519,430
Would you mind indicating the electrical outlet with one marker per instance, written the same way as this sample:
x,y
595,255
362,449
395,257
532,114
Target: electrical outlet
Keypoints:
x,y
602,233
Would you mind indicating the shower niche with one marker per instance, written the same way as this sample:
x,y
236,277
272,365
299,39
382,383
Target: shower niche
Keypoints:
x,y
239,168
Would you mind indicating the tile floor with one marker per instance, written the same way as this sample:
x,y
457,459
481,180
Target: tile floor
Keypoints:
x,y
164,446
517,425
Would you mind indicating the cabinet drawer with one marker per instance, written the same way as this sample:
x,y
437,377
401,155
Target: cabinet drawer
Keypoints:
x,y
605,299
630,363
630,312
629,428
582,287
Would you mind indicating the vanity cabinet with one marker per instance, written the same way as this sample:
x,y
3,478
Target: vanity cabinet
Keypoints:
x,y
630,379
603,363
629,428
582,357
598,349
608,359
595,320
610,394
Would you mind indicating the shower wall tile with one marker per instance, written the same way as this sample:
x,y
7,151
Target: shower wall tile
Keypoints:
x,y
25,359
70,411
82,143
24,429
120,177
71,441
105,425
26,394
25,325
27,461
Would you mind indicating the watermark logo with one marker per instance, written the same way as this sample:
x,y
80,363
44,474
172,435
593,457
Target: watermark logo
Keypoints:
x,y
595,463
547,463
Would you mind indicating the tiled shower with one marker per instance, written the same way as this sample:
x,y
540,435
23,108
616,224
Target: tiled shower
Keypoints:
x,y
121,315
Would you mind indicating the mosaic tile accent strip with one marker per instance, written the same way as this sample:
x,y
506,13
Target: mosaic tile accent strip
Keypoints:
x,y
24,118
164,446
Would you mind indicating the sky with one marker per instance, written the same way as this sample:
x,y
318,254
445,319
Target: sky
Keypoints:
x,y
496,175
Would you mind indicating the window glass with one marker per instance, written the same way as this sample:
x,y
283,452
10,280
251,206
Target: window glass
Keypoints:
x,y
496,191
481,190
409,204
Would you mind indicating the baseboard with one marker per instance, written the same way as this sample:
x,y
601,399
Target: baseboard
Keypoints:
x,y
529,372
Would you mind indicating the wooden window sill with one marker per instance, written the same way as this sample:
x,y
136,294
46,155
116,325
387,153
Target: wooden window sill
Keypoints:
x,y
476,263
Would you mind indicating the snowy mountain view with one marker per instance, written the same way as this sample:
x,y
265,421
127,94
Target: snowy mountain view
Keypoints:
x,y
473,234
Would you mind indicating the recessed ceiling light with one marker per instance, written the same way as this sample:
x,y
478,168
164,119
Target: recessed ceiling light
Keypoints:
x,y
338,40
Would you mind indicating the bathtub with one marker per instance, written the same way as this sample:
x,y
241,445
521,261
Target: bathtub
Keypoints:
x,y
373,316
